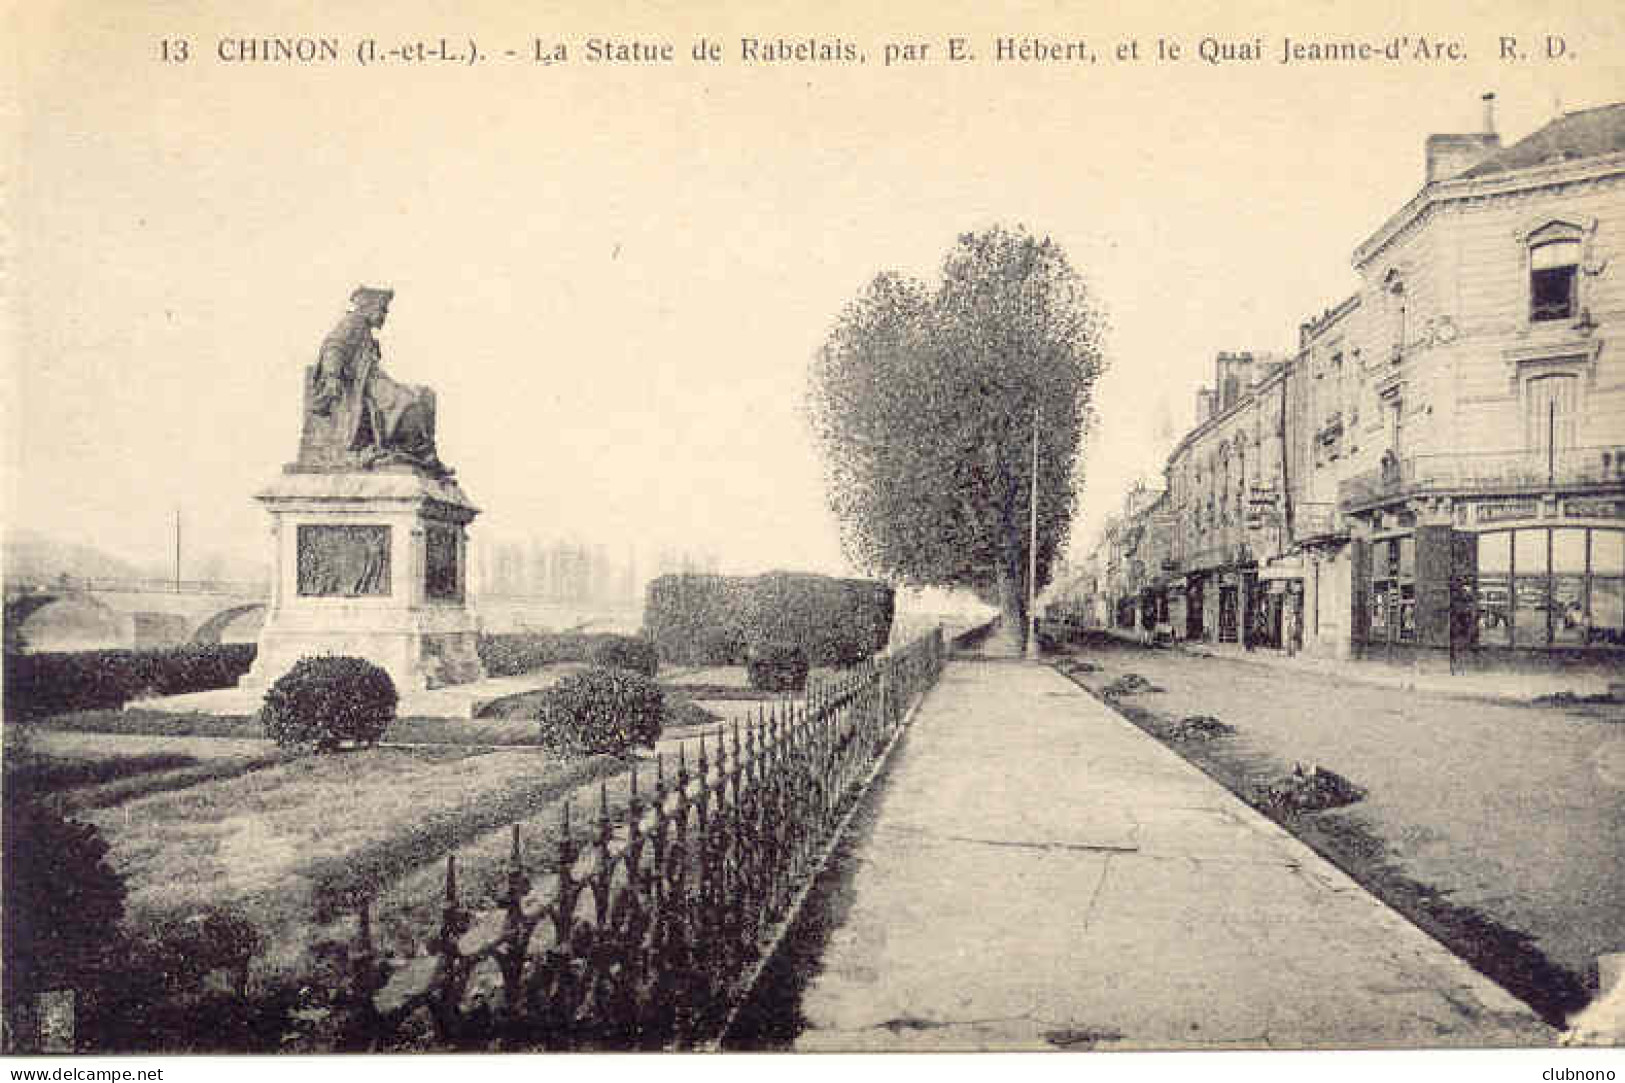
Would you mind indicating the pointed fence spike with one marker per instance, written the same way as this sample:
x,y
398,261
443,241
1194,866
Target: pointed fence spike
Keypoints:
x,y
566,817
660,768
634,779
603,799
451,878
514,853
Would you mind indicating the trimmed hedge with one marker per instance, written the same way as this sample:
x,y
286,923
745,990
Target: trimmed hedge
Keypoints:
x,y
777,667
326,701
510,655
719,620
52,682
602,709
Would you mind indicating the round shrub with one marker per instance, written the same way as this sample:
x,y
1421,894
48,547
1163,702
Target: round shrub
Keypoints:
x,y
601,709
63,902
324,702
777,667
627,652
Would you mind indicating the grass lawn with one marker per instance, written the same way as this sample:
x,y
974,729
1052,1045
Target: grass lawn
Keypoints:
x,y
404,731
288,843
407,912
202,812
85,771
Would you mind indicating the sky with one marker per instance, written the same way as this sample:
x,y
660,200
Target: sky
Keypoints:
x,y
616,276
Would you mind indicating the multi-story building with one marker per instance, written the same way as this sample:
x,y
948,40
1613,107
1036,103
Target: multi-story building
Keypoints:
x,y
1438,474
1222,479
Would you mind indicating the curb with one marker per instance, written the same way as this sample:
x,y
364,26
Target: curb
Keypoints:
x,y
1344,672
1310,857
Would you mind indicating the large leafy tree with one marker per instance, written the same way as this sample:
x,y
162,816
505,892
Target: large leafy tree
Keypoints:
x,y
925,403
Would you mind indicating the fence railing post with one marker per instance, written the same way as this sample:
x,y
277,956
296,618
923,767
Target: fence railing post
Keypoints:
x,y
679,909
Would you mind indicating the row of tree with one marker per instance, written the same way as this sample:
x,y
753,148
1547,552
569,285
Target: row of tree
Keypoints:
x,y
565,571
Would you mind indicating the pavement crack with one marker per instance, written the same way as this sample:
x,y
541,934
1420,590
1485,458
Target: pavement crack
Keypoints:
x,y
1020,844
1082,847
1100,885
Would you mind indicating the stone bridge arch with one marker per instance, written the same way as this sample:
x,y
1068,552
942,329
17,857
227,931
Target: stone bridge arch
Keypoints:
x,y
28,614
210,631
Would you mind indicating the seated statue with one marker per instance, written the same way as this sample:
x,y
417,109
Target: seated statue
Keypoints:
x,y
355,415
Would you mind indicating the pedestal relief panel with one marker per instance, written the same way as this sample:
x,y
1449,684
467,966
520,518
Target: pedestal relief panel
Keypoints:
x,y
343,561
443,571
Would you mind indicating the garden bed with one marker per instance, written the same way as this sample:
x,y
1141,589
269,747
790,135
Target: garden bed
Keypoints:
x,y
283,844
140,722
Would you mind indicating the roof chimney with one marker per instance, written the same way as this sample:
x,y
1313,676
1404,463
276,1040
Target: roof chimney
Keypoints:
x,y
1452,155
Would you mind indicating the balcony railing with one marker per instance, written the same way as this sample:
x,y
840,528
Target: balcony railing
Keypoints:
x,y
1509,471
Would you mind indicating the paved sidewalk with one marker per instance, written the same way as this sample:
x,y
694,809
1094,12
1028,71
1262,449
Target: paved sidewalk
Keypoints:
x,y
1042,874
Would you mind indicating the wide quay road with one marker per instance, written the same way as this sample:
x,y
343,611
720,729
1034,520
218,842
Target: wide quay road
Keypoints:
x,y
1034,872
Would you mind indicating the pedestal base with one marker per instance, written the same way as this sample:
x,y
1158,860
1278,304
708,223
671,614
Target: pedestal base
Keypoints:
x,y
372,565
415,660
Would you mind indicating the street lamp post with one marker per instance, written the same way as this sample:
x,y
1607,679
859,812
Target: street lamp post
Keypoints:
x,y
1032,551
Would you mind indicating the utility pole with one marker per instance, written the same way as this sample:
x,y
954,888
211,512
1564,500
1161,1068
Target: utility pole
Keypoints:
x,y
177,550
1032,551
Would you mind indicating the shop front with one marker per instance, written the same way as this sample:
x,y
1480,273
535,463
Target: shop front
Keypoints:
x,y
1278,609
1198,597
1528,593
1178,608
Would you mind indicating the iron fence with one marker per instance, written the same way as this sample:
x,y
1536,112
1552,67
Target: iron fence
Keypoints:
x,y
640,929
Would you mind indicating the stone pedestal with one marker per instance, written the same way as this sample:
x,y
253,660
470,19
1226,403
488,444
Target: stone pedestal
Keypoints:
x,y
372,564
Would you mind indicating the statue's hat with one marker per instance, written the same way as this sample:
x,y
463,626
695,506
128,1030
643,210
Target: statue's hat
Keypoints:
x,y
371,297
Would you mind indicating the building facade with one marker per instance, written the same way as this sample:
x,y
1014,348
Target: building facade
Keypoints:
x,y
1437,476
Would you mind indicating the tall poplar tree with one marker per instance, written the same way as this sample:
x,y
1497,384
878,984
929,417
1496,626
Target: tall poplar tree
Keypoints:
x,y
925,403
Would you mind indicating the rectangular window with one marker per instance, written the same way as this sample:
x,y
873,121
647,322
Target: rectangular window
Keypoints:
x,y
1568,587
1608,552
1392,614
1531,593
1407,613
1493,591
1553,275
1607,588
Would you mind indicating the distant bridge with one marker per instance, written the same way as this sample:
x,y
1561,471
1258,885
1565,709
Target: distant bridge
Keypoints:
x,y
86,614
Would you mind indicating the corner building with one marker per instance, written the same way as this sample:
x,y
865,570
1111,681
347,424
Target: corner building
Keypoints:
x,y
1437,476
